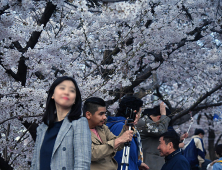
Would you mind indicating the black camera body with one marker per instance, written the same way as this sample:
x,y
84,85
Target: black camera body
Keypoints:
x,y
131,115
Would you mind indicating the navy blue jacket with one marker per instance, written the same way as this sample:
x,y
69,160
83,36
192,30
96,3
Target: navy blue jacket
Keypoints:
x,y
194,149
176,161
115,128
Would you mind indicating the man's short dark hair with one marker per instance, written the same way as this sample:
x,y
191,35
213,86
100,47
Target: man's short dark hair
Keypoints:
x,y
130,102
171,136
198,131
218,150
91,104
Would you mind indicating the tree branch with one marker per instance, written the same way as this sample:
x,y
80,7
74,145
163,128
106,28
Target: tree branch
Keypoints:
x,y
22,68
2,11
197,32
158,94
206,105
218,140
158,58
142,77
31,127
187,12
50,8
217,31
184,112
16,117
4,165
195,111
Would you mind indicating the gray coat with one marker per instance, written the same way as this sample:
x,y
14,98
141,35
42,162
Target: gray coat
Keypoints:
x,y
72,149
150,132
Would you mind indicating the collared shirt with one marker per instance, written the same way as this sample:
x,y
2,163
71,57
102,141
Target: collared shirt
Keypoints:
x,y
96,133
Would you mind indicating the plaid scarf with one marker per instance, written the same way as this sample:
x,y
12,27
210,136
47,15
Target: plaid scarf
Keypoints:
x,y
139,144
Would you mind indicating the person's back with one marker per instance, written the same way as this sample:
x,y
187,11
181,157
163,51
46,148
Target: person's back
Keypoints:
x,y
150,142
115,128
129,108
151,126
194,151
190,152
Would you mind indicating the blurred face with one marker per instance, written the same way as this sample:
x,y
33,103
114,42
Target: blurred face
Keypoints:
x,y
164,149
64,95
155,118
98,118
137,116
201,135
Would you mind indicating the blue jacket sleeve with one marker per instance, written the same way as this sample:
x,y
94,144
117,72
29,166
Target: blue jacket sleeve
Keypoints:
x,y
139,163
117,128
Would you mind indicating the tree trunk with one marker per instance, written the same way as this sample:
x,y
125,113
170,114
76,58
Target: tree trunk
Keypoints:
x,y
4,165
211,139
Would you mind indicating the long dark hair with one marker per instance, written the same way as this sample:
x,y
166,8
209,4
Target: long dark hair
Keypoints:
x,y
75,112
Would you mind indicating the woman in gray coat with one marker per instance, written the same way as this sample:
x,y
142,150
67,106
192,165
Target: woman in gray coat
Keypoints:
x,y
63,139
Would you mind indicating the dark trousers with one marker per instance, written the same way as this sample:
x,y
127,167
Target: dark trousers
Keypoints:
x,y
195,168
204,165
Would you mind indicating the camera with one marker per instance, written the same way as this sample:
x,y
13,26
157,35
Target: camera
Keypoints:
x,y
130,114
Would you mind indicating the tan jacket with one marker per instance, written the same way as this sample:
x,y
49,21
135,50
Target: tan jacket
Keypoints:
x,y
103,152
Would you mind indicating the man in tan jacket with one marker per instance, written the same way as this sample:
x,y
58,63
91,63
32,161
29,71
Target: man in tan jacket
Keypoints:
x,y
104,143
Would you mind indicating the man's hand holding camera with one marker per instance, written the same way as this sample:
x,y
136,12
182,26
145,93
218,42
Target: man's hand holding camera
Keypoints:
x,y
128,135
125,137
133,120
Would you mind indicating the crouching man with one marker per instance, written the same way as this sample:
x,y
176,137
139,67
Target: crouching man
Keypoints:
x,y
104,143
169,148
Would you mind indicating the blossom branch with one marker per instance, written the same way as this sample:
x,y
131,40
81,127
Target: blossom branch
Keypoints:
x,y
4,8
16,117
191,108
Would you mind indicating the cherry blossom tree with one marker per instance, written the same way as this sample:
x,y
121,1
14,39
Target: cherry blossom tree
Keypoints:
x,y
167,50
